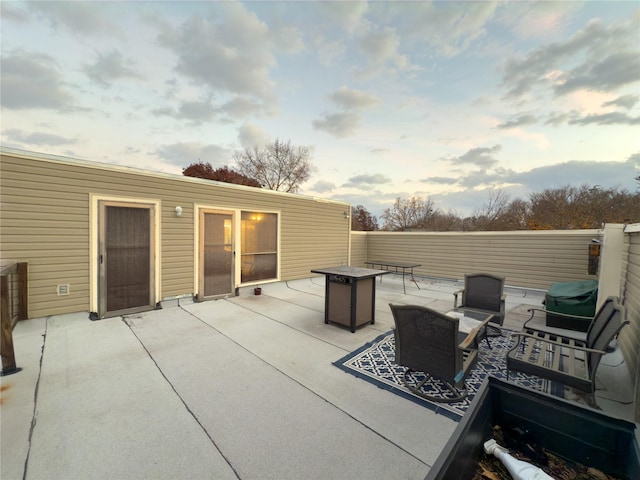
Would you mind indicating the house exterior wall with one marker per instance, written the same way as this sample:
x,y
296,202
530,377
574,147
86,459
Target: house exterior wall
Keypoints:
x,y
45,219
629,339
531,259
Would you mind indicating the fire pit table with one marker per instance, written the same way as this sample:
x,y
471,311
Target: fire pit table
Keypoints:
x,y
350,295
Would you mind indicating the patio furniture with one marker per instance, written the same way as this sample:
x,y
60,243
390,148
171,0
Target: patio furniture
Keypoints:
x,y
350,295
470,320
430,342
395,267
536,324
482,292
564,359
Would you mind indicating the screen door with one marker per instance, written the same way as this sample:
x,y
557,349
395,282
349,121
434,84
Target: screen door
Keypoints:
x,y
125,258
216,254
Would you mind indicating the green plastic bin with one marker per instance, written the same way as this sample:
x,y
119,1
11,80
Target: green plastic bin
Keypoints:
x,y
571,298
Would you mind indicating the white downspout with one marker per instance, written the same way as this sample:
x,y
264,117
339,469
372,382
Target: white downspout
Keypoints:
x,y
610,277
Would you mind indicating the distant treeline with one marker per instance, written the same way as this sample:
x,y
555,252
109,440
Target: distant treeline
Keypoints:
x,y
563,208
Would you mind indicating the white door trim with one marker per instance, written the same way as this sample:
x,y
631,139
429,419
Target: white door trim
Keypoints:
x,y
94,201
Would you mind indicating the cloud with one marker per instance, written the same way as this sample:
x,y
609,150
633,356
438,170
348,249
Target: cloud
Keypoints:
x,y
198,112
537,19
240,107
32,80
608,74
323,187
482,157
448,27
482,178
342,124
598,57
519,120
612,118
440,180
378,151
110,67
558,118
575,172
228,53
381,49
625,101
8,11
38,138
184,154
350,99
287,39
349,16
361,181
250,135
83,18
339,125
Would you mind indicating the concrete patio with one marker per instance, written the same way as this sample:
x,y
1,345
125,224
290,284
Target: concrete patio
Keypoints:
x,y
235,388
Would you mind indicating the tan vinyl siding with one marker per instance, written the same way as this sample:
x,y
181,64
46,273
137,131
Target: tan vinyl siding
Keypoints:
x,y
44,217
629,338
358,249
531,259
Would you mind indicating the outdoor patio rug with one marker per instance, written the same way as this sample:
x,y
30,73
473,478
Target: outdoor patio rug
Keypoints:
x,y
374,362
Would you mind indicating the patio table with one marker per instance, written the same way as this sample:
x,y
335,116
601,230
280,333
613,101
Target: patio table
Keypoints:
x,y
396,267
350,295
472,325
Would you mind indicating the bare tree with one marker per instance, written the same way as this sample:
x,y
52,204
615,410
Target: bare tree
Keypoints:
x,y
444,222
570,207
362,220
277,166
494,215
412,213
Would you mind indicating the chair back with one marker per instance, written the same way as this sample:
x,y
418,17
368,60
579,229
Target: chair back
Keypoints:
x,y
483,291
602,317
427,341
608,332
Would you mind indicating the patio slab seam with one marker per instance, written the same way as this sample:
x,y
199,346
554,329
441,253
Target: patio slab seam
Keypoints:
x,y
186,406
316,394
287,325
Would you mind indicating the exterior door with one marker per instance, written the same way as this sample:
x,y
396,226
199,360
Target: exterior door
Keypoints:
x,y
216,254
126,258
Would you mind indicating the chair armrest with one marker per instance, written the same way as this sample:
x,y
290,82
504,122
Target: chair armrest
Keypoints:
x,y
567,315
545,311
560,344
473,333
469,339
455,297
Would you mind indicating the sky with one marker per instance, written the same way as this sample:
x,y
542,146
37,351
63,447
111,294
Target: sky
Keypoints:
x,y
444,100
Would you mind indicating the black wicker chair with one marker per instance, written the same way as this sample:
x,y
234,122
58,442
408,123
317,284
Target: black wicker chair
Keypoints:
x,y
430,342
483,292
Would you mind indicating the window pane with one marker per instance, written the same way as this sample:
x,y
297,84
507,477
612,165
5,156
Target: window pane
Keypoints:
x,y
259,267
259,240
259,232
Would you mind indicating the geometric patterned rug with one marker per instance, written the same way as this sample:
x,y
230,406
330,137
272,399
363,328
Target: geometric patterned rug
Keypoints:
x,y
374,362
